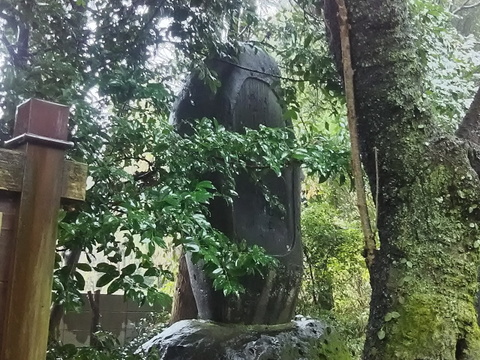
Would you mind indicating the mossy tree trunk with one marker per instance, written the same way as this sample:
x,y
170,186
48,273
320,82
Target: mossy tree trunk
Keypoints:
x,y
424,275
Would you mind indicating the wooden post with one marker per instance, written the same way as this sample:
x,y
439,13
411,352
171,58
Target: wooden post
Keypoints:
x,y
32,182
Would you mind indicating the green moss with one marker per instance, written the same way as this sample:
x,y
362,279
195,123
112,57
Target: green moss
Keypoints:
x,y
425,328
330,347
432,274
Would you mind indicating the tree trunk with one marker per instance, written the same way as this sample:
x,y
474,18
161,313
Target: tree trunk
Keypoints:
x,y
57,310
94,301
424,276
184,305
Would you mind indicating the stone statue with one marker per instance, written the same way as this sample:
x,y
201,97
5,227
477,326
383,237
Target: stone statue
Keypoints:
x,y
249,96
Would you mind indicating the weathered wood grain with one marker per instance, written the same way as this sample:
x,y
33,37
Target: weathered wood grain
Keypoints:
x,y
30,283
9,202
74,180
3,295
12,172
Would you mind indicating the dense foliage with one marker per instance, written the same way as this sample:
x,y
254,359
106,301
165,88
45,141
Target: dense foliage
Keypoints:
x,y
119,65
112,64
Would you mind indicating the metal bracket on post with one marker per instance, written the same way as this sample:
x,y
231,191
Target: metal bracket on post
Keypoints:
x,y
33,179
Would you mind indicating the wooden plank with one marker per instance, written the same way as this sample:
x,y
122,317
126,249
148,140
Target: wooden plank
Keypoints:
x,y
12,170
74,180
6,250
3,296
8,210
9,202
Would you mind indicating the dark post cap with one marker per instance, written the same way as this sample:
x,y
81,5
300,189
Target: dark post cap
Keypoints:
x,y
42,122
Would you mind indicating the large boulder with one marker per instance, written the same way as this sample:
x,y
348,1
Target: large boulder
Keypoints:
x,y
206,340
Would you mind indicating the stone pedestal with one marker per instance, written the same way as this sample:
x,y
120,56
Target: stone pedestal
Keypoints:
x,y
304,339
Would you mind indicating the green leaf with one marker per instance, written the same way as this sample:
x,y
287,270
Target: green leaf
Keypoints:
x,y
106,268
391,315
114,286
84,267
129,269
151,272
308,40
139,279
105,279
301,86
205,184
80,280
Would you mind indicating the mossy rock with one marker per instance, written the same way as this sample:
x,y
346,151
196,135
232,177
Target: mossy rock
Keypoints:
x,y
199,340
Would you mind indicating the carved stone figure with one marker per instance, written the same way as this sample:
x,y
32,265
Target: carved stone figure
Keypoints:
x,y
249,96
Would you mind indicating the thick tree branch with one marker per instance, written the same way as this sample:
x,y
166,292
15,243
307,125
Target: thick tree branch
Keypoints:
x,y
57,311
94,301
10,48
13,23
370,246
184,305
23,40
19,23
385,100
469,129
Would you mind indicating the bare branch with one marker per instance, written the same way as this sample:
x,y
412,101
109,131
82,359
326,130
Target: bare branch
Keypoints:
x,y
471,6
369,236
260,72
461,6
466,6
469,129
